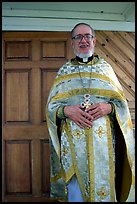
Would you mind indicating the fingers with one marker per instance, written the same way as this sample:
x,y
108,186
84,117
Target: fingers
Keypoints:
x,y
87,115
84,119
96,115
98,110
84,124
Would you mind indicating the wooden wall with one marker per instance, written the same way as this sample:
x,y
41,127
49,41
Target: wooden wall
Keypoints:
x,y
118,48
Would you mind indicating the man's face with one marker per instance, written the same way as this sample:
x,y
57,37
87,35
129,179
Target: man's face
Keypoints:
x,y
83,42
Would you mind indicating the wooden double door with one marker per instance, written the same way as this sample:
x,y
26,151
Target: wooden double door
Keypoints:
x,y
30,63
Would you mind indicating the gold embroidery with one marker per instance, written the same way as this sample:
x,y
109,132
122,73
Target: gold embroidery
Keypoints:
x,y
65,151
77,133
93,91
130,123
68,132
102,193
69,173
87,188
86,74
111,160
56,177
100,131
90,151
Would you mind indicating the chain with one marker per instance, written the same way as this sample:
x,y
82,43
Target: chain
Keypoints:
x,y
82,80
86,103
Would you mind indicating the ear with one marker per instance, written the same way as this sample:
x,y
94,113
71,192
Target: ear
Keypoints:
x,y
94,41
72,44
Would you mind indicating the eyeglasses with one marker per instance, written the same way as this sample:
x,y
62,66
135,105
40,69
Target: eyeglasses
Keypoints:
x,y
80,37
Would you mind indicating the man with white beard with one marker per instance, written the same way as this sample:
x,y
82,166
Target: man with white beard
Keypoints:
x,y
90,128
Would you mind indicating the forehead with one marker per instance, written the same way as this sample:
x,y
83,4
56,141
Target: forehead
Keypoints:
x,y
82,29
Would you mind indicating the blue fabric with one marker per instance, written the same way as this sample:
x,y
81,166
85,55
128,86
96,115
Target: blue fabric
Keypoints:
x,y
74,193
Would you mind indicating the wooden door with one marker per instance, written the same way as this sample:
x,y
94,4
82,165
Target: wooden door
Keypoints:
x,y
30,63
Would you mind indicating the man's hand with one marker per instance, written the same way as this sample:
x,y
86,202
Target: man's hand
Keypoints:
x,y
80,117
99,109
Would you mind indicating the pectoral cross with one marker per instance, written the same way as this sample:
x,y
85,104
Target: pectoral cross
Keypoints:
x,y
86,104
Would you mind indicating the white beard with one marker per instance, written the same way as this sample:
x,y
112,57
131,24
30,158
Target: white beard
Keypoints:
x,y
84,56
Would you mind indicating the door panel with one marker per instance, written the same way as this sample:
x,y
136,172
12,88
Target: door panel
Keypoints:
x,y
16,95
18,178
30,63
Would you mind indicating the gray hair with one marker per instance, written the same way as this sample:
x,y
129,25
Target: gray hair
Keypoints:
x,y
72,32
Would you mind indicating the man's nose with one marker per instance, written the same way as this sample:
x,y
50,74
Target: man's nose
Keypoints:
x,y
83,38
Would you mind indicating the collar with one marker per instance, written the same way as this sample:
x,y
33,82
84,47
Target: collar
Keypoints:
x,y
82,60
91,60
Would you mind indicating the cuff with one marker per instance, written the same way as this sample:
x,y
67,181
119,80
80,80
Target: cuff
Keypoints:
x,y
113,108
60,112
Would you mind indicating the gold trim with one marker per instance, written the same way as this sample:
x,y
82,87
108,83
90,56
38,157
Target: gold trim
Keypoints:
x,y
69,173
95,75
111,160
55,178
68,132
48,125
128,154
90,149
119,122
93,91
133,180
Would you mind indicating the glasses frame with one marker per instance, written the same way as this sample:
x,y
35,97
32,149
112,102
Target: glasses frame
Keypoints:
x,y
86,36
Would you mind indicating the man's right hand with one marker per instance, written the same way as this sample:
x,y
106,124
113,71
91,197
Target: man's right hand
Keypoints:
x,y
79,116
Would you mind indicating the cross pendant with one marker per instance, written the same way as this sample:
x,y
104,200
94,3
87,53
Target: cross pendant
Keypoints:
x,y
86,104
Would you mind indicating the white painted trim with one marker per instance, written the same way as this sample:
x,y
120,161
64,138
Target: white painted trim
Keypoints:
x,y
63,14
55,24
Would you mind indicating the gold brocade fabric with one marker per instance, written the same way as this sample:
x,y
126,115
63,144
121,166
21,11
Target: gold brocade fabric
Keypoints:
x,y
101,157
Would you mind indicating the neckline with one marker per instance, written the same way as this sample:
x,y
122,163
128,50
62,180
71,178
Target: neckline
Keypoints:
x,y
82,60
95,59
